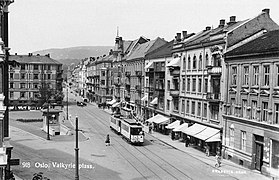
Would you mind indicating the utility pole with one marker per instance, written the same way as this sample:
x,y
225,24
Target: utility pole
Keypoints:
x,y
76,151
67,102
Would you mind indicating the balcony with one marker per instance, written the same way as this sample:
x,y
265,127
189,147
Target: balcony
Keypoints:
x,y
174,92
175,72
127,73
214,70
213,97
138,73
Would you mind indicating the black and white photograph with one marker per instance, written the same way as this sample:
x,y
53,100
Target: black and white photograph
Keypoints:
x,y
139,90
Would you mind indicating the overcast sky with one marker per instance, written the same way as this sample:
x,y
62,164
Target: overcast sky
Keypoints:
x,y
43,24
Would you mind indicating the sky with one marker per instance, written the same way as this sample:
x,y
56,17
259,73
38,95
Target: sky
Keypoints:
x,y
44,24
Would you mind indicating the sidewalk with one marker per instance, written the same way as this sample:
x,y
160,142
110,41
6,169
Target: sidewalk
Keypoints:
x,y
227,167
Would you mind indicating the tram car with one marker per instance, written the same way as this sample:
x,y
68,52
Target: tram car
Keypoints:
x,y
129,129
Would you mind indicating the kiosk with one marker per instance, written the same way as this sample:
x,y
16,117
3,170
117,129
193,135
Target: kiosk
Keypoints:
x,y
52,116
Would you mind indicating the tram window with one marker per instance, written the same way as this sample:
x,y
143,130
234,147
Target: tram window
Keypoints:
x,y
135,131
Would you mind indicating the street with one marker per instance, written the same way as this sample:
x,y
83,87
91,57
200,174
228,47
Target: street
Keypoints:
x,y
55,158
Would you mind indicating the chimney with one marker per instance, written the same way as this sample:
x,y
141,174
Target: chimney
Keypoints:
x,y
178,36
222,23
184,33
207,28
266,11
232,20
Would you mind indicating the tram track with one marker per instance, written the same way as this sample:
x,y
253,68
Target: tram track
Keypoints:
x,y
163,167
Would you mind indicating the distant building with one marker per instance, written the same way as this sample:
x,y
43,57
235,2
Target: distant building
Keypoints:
x,y
34,72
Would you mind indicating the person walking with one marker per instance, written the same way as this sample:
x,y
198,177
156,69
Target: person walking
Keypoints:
x,y
218,160
107,140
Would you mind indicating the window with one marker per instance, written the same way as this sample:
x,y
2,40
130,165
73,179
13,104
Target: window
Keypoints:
x,y
205,110
183,106
194,62
22,94
175,104
266,75
188,106
215,112
36,76
168,85
22,85
189,62
22,76
234,75
233,106
48,76
11,85
184,63
48,67
206,59
255,75
36,67
188,84
277,82
205,85
254,110
36,86
199,109
264,111
11,95
193,107
231,143
275,155
168,105
246,75
276,119
194,84
244,108
22,67
183,84
200,62
11,75
243,140
200,84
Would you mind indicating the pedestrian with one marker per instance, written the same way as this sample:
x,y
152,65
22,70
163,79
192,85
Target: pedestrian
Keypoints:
x,y
218,160
107,140
207,152
150,128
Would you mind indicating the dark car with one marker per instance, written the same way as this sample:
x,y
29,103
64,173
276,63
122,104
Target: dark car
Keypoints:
x,y
81,103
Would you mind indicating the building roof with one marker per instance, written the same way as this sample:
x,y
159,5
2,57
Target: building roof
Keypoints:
x,y
142,49
267,43
34,59
163,51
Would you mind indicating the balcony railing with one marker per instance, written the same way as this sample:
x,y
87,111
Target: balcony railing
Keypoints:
x,y
175,72
138,73
174,92
214,70
215,97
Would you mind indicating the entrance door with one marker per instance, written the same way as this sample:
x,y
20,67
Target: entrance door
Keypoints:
x,y
259,156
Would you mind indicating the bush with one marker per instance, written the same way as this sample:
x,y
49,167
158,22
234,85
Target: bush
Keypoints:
x,y
30,120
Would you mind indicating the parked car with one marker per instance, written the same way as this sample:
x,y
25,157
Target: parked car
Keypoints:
x,y
81,103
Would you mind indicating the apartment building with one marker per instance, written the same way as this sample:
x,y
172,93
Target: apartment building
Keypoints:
x,y
34,71
251,126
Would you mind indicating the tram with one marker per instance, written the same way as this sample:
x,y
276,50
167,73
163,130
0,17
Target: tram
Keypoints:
x,y
128,128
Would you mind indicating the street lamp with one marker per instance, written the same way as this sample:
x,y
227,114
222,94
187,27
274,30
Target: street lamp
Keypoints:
x,y
76,150
67,103
48,138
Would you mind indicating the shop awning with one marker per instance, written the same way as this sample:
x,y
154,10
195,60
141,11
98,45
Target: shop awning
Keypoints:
x,y
174,63
194,129
206,133
144,98
158,119
215,138
173,124
181,127
111,102
149,65
154,101
116,104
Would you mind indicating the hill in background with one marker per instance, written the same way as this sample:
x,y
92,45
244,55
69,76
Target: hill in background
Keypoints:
x,y
71,55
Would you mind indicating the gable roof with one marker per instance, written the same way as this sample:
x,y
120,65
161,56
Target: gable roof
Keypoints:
x,y
163,51
267,43
142,49
34,59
